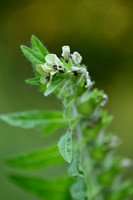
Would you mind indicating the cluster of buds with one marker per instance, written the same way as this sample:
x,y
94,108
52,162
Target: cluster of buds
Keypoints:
x,y
76,57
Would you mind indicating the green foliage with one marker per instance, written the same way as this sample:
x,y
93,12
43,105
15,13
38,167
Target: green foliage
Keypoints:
x,y
46,189
47,122
65,146
37,159
94,171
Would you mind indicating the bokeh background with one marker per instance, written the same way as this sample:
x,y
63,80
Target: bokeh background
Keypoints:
x,y
102,31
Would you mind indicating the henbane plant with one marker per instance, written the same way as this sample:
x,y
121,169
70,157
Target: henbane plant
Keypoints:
x,y
94,172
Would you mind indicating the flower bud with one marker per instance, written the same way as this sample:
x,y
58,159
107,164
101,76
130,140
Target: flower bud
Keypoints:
x,y
76,58
113,142
126,163
105,99
66,52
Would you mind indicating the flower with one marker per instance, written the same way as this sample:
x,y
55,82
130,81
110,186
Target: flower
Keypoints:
x,y
113,142
76,58
66,52
49,69
88,82
104,100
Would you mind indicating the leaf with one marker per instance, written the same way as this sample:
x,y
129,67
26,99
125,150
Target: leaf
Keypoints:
x,y
79,191
69,99
38,46
46,189
65,146
32,55
37,159
33,81
75,170
44,121
53,86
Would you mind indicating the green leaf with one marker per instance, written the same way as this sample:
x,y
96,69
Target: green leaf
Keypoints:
x,y
79,191
37,159
69,99
65,146
46,189
33,81
53,86
38,46
44,121
32,55
75,170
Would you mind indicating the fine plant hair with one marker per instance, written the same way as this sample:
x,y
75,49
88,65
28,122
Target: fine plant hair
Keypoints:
x,y
85,150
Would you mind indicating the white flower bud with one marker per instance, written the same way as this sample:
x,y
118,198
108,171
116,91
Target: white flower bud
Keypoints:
x,y
66,52
79,70
105,99
88,83
76,58
113,143
126,163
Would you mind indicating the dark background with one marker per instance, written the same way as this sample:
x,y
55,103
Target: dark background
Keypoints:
x,y
102,31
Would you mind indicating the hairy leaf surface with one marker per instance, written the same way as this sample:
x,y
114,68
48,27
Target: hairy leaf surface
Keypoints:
x,y
38,46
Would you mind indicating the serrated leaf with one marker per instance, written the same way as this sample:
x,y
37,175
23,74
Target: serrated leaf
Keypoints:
x,y
75,170
79,190
33,81
38,46
44,121
46,189
32,55
37,159
53,86
65,146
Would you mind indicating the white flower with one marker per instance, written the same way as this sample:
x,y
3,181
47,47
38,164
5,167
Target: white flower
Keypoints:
x,y
48,69
79,70
76,58
66,52
88,82
105,99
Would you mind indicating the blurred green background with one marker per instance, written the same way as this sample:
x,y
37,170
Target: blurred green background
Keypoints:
x,y
102,31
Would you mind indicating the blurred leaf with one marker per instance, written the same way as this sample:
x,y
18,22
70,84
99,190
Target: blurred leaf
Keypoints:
x,y
69,99
65,146
79,191
32,55
33,81
121,191
37,159
38,46
75,169
46,189
44,121
89,101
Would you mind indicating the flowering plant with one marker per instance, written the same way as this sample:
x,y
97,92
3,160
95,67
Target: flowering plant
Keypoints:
x,y
93,171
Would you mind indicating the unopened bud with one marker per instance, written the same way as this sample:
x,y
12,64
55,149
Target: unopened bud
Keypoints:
x,y
76,58
113,143
66,52
105,99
